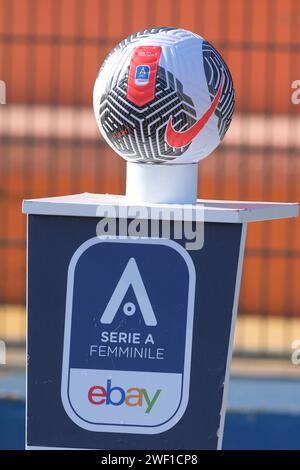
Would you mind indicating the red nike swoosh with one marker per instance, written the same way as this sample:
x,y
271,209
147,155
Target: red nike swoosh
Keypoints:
x,y
178,139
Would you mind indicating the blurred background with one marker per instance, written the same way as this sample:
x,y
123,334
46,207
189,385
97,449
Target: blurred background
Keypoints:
x,y
50,53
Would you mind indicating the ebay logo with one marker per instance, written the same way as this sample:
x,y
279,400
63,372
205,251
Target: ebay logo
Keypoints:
x,y
117,396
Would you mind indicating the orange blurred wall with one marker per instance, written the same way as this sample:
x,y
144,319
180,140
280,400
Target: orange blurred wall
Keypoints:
x,y
43,33
50,52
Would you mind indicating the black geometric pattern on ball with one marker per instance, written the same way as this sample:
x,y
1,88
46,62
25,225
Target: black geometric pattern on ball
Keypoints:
x,y
139,132
214,65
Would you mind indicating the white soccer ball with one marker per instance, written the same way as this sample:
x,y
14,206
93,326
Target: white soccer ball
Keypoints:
x,y
164,95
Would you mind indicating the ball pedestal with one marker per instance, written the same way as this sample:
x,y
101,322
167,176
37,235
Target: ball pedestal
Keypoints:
x,y
130,323
169,184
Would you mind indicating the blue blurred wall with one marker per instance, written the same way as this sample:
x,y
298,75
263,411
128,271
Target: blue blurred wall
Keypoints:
x,y
262,413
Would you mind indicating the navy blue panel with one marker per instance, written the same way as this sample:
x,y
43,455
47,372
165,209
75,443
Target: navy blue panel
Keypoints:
x,y
52,242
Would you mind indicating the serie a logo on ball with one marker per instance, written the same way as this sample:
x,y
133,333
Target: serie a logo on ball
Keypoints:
x,y
164,95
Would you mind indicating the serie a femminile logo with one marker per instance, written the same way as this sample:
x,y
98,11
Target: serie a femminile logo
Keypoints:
x,y
127,347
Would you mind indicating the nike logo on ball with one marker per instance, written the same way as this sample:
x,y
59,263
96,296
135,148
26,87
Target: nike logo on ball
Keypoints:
x,y
177,139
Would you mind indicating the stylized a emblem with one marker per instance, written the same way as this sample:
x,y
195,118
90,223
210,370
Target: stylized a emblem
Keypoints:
x,y
131,277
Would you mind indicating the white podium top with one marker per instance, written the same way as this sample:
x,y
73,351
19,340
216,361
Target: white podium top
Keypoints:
x,y
95,205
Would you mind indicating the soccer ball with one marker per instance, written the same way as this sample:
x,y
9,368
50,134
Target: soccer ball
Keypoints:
x,y
164,95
